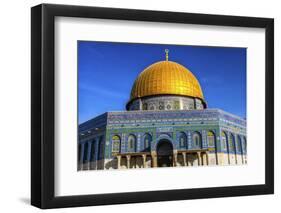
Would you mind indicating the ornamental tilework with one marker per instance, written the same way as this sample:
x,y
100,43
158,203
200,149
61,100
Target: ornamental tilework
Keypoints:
x,y
169,123
163,125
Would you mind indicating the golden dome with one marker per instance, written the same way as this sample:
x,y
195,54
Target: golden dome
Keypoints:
x,y
166,78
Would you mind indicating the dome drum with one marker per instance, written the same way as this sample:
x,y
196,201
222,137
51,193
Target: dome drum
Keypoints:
x,y
166,102
166,79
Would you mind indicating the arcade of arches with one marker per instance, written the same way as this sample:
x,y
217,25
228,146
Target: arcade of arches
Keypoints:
x,y
164,156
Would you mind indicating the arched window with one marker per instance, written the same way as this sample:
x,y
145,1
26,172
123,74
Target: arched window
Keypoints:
x,y
116,143
93,150
239,144
161,105
223,141
79,153
176,105
132,143
144,106
100,148
85,155
245,145
182,140
169,107
211,139
147,142
231,145
152,107
196,138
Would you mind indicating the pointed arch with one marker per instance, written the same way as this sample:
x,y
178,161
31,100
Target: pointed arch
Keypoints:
x,y
211,138
147,139
245,145
224,140
182,140
80,153
93,151
197,139
116,144
231,143
239,144
85,153
132,143
100,150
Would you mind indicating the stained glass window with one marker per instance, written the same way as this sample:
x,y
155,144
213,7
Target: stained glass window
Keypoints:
x,y
182,139
92,156
223,140
211,139
116,142
85,157
132,143
101,148
144,107
176,105
147,142
231,143
79,152
239,142
152,108
196,139
161,105
245,144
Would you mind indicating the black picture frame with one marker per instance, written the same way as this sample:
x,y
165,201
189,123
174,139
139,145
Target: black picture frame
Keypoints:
x,y
43,117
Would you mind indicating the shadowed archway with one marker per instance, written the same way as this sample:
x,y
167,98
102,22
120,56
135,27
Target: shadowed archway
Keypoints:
x,y
164,153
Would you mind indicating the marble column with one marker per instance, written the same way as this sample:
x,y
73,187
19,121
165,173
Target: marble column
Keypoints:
x,y
207,158
184,158
199,158
175,160
154,159
144,161
128,161
118,161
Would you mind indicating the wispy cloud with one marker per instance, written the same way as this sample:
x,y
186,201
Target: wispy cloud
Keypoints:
x,y
103,91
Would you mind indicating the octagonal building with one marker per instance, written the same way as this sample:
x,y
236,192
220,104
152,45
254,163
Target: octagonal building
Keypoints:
x,y
167,124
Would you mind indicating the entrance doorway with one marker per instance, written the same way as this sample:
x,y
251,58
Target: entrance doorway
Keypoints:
x,y
165,153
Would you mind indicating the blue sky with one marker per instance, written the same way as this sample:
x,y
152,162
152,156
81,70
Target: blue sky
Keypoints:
x,y
107,71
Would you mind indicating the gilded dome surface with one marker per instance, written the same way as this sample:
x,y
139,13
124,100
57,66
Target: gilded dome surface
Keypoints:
x,y
166,78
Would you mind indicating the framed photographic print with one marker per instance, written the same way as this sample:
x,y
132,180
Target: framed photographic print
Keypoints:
x,y
139,106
